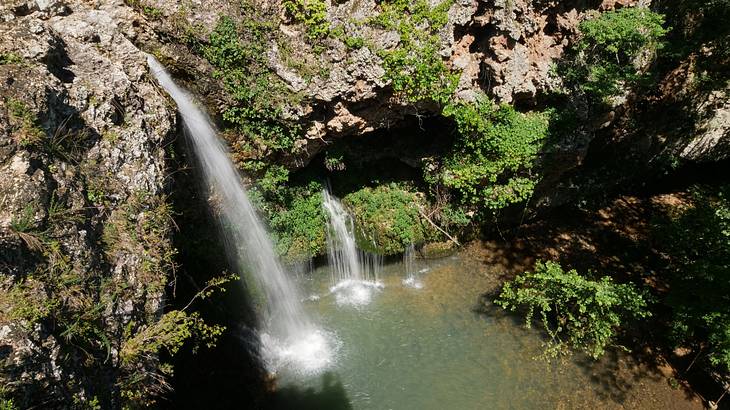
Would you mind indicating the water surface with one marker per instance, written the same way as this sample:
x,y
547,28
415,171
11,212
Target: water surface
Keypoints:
x,y
441,347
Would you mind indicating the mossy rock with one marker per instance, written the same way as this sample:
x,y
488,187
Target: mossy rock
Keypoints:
x,y
388,218
435,250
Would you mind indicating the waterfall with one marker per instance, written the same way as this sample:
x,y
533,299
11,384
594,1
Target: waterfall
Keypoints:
x,y
354,272
409,263
287,335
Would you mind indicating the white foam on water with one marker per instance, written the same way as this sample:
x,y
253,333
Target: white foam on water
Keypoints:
x,y
412,282
305,355
355,292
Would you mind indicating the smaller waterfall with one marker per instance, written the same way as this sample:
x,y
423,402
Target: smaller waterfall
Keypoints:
x,y
354,272
409,263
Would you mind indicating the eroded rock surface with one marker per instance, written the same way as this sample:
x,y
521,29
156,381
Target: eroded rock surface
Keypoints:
x,y
82,134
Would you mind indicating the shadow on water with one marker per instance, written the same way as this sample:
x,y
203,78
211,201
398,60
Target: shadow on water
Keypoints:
x,y
331,396
617,376
610,239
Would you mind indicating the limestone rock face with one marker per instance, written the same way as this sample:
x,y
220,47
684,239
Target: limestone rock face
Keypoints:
x,y
504,48
82,134
712,140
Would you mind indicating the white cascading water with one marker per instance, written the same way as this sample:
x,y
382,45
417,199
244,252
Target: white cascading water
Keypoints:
x,y
354,272
288,337
409,263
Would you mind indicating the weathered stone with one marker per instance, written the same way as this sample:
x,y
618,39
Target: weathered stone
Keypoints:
x,y
80,79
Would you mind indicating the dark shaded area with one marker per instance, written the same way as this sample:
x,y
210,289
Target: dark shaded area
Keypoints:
x,y
331,396
228,375
640,149
395,154
57,61
614,237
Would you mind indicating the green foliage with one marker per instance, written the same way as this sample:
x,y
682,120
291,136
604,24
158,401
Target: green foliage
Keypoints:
x,y
300,224
389,218
451,217
7,404
311,13
24,222
415,68
238,52
272,184
334,161
354,42
151,12
491,162
27,303
611,48
577,312
697,242
65,143
169,333
141,227
10,58
24,125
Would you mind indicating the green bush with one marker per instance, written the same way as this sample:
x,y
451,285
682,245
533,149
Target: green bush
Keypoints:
x,y
389,217
311,13
576,311
239,55
610,47
415,68
299,227
490,165
354,42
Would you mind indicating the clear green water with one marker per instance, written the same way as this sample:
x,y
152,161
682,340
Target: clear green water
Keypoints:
x,y
431,348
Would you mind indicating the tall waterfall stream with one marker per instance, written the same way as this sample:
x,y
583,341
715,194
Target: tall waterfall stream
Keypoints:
x,y
288,336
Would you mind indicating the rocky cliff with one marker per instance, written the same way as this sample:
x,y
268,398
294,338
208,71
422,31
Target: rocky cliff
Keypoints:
x,y
85,251
337,84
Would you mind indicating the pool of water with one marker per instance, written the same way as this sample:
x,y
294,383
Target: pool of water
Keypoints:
x,y
438,346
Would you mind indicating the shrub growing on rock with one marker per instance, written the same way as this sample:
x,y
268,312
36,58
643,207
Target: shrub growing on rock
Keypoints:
x,y
613,49
389,216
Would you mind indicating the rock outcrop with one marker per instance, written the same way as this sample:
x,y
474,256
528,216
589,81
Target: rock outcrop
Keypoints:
x,y
82,172
503,48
